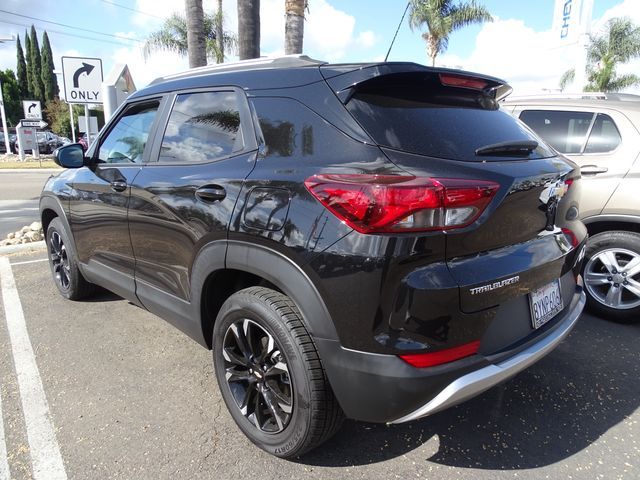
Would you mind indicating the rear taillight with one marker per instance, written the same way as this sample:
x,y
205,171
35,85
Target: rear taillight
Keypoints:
x,y
393,203
431,359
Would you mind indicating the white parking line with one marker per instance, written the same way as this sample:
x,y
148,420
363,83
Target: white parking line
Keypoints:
x,y
4,462
46,458
30,261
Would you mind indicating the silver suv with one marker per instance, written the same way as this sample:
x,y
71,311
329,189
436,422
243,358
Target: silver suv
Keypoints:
x,y
600,132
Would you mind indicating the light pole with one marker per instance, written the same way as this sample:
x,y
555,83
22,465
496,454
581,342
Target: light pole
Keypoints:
x,y
4,121
4,39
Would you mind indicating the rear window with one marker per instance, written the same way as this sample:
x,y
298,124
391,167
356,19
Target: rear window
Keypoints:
x,y
567,131
416,113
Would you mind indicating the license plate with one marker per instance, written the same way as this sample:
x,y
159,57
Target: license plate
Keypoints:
x,y
545,303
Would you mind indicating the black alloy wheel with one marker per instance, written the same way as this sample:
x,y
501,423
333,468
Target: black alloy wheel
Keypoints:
x,y
270,374
258,376
59,261
64,265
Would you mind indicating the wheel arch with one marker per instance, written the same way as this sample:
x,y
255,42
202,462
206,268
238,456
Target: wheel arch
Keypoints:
x,y
606,223
50,208
247,264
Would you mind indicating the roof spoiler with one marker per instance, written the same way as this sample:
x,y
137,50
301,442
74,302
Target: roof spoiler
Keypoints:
x,y
343,79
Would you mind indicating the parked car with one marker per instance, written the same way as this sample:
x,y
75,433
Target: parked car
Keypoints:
x,y
12,140
48,142
600,132
361,240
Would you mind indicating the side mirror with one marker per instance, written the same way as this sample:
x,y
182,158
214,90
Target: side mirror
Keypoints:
x,y
69,156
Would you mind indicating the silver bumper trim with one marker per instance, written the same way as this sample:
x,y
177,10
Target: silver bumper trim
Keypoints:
x,y
477,382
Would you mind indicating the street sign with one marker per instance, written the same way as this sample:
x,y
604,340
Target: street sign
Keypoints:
x,y
27,140
93,124
33,123
32,109
82,79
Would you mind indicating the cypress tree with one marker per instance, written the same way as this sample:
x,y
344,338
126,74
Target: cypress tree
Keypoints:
x,y
22,71
49,80
36,67
29,60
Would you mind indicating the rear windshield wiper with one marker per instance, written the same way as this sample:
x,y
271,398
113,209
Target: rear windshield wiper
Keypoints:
x,y
518,147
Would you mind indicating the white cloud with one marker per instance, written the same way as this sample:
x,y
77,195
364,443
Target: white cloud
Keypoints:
x,y
366,39
329,33
510,50
144,71
151,13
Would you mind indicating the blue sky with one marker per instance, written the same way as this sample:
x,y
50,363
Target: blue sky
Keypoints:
x,y
516,47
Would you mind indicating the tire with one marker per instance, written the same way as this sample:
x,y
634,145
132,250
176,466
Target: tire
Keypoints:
x,y
611,274
262,346
64,264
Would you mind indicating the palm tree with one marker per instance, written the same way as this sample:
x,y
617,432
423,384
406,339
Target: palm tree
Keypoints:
x,y
294,26
172,37
195,34
442,17
248,29
220,33
618,43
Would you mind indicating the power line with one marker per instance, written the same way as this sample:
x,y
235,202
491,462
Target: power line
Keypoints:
x,y
70,26
108,2
70,34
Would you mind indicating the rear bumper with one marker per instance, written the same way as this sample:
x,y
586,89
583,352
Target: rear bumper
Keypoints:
x,y
474,383
383,388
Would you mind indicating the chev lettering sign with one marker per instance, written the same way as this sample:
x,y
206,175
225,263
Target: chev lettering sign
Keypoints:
x,y
566,19
82,79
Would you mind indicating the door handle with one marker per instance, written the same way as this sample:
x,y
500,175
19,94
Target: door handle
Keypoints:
x,y
211,193
119,186
593,169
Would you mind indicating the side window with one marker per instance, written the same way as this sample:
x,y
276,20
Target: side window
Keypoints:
x,y
564,131
202,127
126,141
604,136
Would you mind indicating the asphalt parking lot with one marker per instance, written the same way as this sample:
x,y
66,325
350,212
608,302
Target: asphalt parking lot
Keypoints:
x,y
124,395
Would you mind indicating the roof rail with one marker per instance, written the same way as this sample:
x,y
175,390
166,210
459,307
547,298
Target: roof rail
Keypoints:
x,y
285,61
618,97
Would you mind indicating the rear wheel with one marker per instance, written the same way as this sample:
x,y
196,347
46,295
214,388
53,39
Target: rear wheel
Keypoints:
x,y
270,374
64,265
612,276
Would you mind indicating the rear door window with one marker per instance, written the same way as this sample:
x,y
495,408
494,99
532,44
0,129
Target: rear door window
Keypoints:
x,y
565,131
414,112
202,127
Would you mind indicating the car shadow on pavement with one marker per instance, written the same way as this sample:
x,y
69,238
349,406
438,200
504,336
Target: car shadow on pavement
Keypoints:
x,y
547,413
102,295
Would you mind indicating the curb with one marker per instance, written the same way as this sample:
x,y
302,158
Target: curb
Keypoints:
x,y
23,247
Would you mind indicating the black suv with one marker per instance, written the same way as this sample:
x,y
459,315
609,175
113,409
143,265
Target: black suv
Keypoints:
x,y
376,241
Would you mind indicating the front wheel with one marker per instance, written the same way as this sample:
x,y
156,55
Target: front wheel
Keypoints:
x,y
270,375
64,265
612,275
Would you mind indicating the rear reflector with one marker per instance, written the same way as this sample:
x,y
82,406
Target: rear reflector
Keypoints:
x,y
394,203
571,236
431,359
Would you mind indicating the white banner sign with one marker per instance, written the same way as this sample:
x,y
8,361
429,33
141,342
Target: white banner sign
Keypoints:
x,y
567,21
